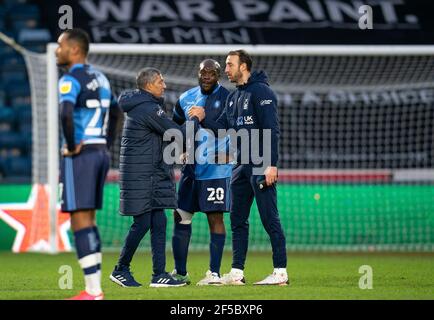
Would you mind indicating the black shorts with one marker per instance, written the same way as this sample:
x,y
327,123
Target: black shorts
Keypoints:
x,y
204,195
82,179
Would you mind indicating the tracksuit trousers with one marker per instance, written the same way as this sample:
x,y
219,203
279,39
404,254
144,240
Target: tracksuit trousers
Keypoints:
x,y
244,188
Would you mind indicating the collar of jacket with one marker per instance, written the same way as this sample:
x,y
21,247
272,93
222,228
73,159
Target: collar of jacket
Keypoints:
x,y
255,76
160,101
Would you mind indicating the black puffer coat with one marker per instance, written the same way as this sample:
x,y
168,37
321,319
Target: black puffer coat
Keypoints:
x,y
146,181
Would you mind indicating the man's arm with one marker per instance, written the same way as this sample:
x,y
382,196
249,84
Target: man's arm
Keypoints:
x,y
265,104
67,118
69,88
157,119
178,114
115,117
220,123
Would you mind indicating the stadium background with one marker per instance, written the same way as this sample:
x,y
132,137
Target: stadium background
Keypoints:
x,y
362,212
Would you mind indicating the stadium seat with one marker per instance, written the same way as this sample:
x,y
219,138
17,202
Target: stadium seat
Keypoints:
x,y
18,92
2,173
2,18
5,49
7,115
24,114
2,95
11,140
34,39
18,74
21,10
12,68
23,16
11,3
36,47
26,136
18,166
13,58
34,36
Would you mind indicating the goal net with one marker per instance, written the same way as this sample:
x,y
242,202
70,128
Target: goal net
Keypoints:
x,y
356,147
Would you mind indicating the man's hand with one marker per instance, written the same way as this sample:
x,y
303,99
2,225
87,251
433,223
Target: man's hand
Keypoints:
x,y
270,175
198,112
183,157
77,150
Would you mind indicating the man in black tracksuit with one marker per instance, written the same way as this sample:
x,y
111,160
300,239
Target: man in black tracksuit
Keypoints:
x,y
251,106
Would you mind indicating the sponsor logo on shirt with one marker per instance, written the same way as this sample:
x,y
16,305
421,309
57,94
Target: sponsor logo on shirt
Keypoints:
x,y
245,120
65,87
160,112
265,102
246,104
93,85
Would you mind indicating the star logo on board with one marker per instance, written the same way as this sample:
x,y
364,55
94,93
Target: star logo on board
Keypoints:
x,y
32,222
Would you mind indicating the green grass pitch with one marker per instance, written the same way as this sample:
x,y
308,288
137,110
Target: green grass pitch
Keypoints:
x,y
312,276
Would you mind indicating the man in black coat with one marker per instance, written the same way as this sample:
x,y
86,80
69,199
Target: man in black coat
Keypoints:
x,y
147,184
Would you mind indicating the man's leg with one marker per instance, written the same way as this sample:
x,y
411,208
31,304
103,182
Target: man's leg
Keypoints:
x,y
99,195
217,240
241,201
137,231
98,249
181,239
266,200
160,278
187,204
88,249
158,241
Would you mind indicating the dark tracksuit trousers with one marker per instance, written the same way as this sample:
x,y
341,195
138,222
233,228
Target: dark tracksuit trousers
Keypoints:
x,y
155,221
243,189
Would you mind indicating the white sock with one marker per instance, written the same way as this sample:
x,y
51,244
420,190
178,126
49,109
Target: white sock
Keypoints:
x,y
99,261
237,271
93,280
280,270
93,284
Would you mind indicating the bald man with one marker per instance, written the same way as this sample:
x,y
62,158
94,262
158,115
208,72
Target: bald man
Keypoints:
x,y
204,184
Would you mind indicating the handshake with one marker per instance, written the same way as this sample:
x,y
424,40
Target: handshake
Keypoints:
x,y
198,112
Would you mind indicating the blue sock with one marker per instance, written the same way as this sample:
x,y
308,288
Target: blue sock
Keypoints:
x,y
216,246
87,244
98,249
180,243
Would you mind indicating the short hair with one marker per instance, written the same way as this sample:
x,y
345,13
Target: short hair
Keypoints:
x,y
81,37
243,56
146,76
211,65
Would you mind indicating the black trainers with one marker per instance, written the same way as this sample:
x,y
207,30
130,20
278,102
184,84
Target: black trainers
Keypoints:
x,y
166,280
124,277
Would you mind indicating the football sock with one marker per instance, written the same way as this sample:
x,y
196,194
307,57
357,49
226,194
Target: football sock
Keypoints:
x,y
216,246
280,270
180,242
86,243
98,250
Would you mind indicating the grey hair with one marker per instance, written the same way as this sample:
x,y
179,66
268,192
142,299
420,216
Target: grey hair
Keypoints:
x,y
146,76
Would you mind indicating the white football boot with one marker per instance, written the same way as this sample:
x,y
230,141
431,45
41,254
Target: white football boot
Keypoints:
x,y
211,279
279,277
234,278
